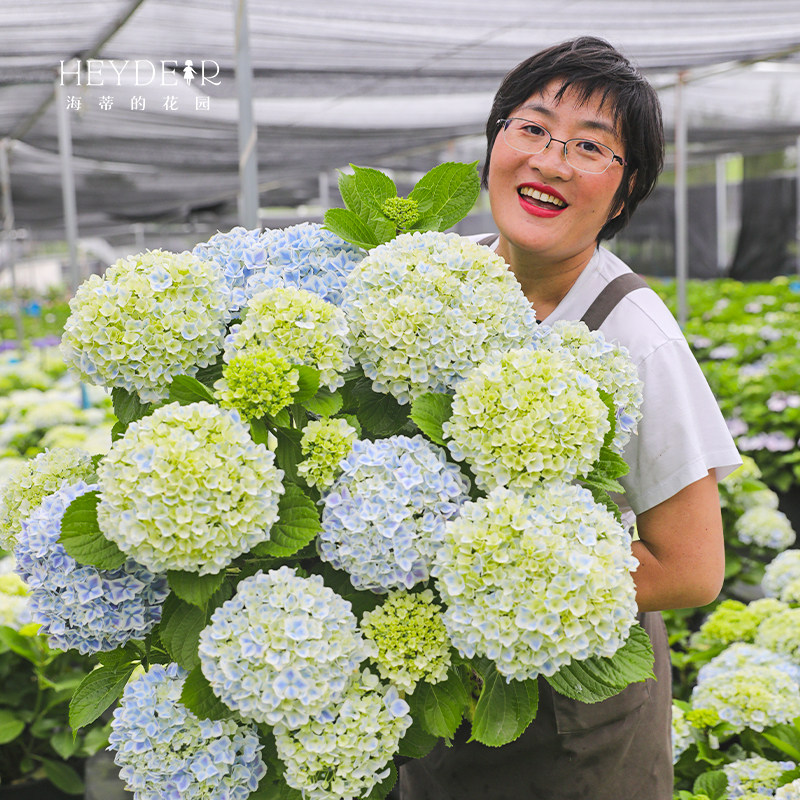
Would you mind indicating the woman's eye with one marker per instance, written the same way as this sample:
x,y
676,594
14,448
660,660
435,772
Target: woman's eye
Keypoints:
x,y
589,147
533,130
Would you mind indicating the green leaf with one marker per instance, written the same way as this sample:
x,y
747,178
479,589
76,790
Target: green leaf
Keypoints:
x,y
449,191
382,789
430,411
714,784
350,227
366,190
199,698
282,419
440,706
325,402
307,382
23,646
785,738
209,375
128,407
287,452
596,679
82,537
259,432
193,588
298,523
98,690
179,631
10,726
63,776
379,414
185,390
504,709
64,743
417,742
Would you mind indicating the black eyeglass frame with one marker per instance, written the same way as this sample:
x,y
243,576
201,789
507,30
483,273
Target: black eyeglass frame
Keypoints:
x,y
614,157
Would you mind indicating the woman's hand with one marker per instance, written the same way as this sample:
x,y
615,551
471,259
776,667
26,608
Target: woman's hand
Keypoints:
x,y
681,549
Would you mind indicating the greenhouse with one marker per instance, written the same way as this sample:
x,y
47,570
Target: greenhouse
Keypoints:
x,y
343,457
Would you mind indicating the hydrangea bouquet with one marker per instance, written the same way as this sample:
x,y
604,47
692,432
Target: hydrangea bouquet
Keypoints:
x,y
354,497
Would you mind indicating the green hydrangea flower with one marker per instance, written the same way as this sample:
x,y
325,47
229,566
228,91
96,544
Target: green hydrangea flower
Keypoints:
x,y
33,481
526,416
780,632
403,211
325,443
186,488
299,326
701,718
257,381
407,639
732,621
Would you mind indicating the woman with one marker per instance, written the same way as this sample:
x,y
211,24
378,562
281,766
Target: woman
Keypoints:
x,y
575,142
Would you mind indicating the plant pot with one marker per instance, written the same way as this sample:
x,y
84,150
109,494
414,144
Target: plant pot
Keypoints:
x,y
40,789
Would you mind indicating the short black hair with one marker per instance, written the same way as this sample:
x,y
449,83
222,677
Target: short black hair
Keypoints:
x,y
592,66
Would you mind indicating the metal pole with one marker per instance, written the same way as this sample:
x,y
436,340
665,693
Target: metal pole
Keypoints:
x,y
68,185
324,191
248,167
797,210
681,202
8,235
722,213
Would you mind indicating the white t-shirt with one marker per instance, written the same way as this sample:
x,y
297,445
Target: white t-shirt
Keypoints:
x,y
682,433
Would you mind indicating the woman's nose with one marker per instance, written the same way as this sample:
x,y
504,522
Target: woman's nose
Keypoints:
x,y
552,160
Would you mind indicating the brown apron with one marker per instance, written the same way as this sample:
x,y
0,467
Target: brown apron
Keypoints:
x,y
619,749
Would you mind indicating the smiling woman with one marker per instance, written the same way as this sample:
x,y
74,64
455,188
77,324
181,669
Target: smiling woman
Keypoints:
x,y
575,143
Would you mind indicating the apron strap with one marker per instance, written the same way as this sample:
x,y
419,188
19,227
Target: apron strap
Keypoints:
x,y
608,298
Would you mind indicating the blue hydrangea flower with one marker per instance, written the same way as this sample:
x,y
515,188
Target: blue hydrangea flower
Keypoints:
x,y
282,649
346,751
82,607
305,256
238,254
425,308
384,516
533,581
754,774
167,753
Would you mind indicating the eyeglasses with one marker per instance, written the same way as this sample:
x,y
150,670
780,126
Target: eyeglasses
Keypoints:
x,y
585,155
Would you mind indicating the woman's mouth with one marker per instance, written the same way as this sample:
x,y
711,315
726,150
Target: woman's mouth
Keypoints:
x,y
540,202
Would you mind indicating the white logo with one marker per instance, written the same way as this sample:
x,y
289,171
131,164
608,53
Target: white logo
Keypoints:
x,y
140,72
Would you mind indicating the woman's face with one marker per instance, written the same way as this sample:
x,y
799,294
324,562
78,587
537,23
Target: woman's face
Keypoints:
x,y
565,231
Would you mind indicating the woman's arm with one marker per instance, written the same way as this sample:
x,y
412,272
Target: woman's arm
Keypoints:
x,y
681,549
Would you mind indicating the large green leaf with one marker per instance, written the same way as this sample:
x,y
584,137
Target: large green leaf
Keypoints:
x,y
128,407
448,192
23,646
366,190
298,523
193,588
380,414
307,383
11,726
596,679
785,738
184,389
714,784
287,452
63,776
179,631
504,709
440,706
98,690
200,699
417,742
82,537
349,226
382,789
325,402
430,411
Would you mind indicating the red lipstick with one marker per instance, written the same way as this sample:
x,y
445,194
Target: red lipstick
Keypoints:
x,y
540,200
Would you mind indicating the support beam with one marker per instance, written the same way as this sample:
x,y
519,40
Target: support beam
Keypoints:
x,y
248,167
681,201
797,204
9,237
68,186
722,213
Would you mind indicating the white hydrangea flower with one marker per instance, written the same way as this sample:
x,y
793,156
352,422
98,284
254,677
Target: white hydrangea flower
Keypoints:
x,y
609,364
281,650
13,595
740,656
754,774
299,326
682,732
407,639
33,480
324,444
781,573
426,307
754,498
790,791
780,633
167,753
346,751
755,699
536,580
152,316
384,516
186,488
526,416
765,527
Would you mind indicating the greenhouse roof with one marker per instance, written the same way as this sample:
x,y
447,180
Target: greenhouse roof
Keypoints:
x,y
398,85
